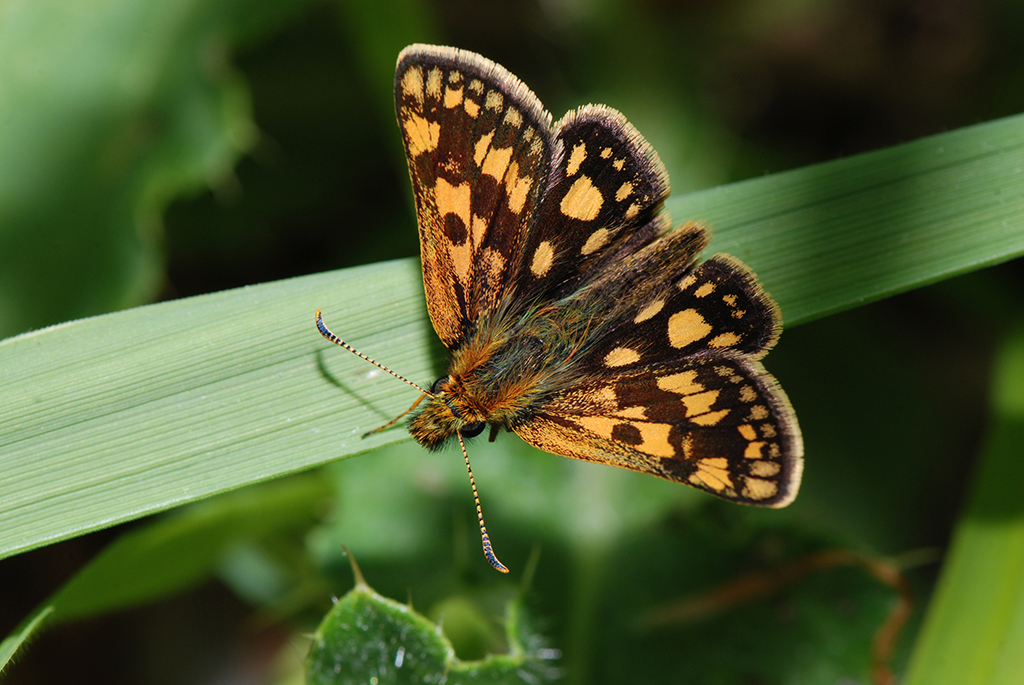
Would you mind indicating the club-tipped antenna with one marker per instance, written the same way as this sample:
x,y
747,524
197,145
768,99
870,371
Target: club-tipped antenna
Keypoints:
x,y
326,332
488,550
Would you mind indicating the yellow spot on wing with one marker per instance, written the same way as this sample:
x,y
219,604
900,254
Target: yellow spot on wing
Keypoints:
x,y
412,84
477,86
649,311
536,143
472,107
480,149
759,412
583,201
747,431
765,468
452,200
496,162
618,164
704,290
493,100
687,282
601,425
606,153
714,473
452,97
757,489
700,403
724,340
621,356
683,383
513,118
747,394
654,437
729,300
543,257
596,241
434,83
624,191
518,187
421,134
633,210
753,450
687,327
579,153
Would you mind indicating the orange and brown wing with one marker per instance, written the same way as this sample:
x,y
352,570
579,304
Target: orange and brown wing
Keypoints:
x,y
714,306
478,143
603,201
718,422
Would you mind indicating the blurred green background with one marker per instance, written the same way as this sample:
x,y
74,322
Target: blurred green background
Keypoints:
x,y
153,151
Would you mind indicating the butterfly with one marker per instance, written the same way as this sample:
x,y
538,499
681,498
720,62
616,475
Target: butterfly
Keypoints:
x,y
575,315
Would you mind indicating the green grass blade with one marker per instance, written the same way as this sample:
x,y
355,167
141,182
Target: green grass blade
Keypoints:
x,y
111,418
114,417
831,236
974,631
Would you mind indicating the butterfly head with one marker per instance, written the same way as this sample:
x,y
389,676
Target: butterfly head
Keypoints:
x,y
446,413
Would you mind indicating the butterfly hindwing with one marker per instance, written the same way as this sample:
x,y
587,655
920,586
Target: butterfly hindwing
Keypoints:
x,y
716,305
478,143
718,422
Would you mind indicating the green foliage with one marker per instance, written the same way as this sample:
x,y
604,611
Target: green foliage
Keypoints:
x,y
110,109
368,638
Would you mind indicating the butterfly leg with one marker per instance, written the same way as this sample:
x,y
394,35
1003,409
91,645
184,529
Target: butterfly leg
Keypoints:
x,y
395,420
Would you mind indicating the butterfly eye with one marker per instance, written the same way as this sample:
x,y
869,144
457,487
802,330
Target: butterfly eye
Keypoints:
x,y
471,430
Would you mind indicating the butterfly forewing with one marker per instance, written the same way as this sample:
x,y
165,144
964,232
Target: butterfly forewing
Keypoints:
x,y
478,144
605,183
718,423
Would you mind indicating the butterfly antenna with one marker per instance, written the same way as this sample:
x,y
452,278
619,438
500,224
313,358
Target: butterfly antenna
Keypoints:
x,y
488,550
326,332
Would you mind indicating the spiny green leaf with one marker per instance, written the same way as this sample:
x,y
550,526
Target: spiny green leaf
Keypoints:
x,y
367,638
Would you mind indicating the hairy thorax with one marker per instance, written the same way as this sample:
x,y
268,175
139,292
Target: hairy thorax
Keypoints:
x,y
496,378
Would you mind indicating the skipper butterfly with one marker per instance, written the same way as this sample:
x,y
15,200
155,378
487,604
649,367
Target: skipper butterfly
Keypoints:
x,y
575,316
